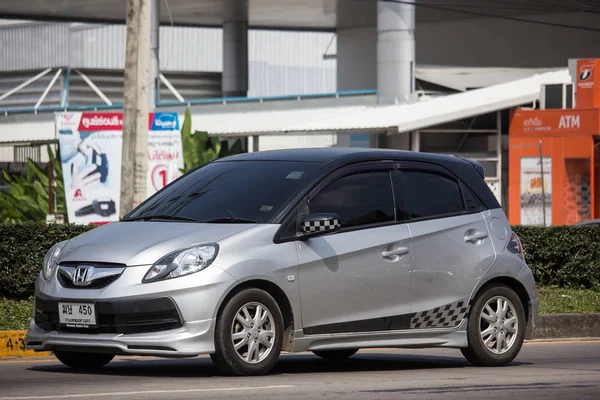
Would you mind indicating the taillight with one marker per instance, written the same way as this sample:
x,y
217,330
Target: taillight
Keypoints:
x,y
514,244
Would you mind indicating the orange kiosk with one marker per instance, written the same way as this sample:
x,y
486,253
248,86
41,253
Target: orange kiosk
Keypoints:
x,y
553,155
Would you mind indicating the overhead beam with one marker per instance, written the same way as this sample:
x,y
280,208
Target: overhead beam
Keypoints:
x,y
458,130
25,84
50,85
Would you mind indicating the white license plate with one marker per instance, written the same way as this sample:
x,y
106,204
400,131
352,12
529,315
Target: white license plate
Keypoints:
x,y
77,315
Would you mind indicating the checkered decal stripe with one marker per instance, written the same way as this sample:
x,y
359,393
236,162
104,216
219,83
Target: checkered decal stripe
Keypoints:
x,y
321,226
446,316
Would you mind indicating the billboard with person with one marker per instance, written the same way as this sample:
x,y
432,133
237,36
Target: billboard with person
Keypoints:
x,y
90,149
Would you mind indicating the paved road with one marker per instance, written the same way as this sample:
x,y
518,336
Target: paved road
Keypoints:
x,y
561,370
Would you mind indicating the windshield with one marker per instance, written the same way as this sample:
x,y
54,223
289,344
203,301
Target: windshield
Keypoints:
x,y
228,192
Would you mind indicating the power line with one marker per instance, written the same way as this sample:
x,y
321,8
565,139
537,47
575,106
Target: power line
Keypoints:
x,y
486,15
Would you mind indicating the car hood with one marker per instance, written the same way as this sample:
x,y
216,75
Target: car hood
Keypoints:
x,y
141,242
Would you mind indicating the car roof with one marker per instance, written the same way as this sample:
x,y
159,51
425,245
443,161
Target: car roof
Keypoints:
x,y
469,171
330,154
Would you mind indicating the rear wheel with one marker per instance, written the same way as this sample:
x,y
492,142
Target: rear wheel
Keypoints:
x,y
83,360
335,355
249,334
496,327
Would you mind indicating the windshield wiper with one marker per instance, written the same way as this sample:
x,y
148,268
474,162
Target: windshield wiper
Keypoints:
x,y
229,220
161,217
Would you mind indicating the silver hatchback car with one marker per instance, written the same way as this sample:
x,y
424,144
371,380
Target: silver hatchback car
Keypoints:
x,y
326,250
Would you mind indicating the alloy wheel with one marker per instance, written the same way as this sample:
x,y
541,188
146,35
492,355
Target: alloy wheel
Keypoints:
x,y
253,332
499,325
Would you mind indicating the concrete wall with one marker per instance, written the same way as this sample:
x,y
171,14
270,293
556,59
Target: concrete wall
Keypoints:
x,y
357,58
497,42
473,42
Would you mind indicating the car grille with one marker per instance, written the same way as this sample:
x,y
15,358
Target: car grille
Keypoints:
x,y
66,282
97,284
124,317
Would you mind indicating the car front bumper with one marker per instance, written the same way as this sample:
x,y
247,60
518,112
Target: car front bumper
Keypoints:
x,y
190,340
174,318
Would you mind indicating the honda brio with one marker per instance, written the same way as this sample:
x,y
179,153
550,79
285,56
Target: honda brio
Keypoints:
x,y
323,250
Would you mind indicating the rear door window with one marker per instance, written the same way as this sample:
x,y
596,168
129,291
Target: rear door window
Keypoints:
x,y
428,194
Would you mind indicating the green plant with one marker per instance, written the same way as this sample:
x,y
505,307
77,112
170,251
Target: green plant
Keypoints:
x,y
199,148
22,250
27,198
555,300
15,314
562,256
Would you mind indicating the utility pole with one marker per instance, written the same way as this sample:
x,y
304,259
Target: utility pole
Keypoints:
x,y
136,102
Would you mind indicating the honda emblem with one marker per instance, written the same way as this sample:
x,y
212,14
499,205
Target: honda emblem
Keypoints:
x,y
80,276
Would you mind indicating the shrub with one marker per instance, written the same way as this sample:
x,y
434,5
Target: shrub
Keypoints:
x,y
563,256
22,250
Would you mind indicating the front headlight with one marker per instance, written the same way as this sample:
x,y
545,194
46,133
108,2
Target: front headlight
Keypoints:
x,y
182,262
51,258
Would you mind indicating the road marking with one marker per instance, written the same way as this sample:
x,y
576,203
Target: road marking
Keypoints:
x,y
149,392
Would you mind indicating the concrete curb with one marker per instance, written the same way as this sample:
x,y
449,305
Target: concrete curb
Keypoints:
x,y
561,326
550,327
12,345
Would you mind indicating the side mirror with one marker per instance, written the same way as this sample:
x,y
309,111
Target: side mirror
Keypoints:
x,y
314,224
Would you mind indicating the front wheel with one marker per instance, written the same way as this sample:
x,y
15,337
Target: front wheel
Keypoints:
x,y
335,355
249,334
496,327
83,360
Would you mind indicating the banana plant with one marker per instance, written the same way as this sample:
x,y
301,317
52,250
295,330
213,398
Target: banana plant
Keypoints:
x,y
199,148
27,197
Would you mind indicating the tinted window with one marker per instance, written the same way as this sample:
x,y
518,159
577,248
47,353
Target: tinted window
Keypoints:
x,y
427,194
255,190
472,203
358,199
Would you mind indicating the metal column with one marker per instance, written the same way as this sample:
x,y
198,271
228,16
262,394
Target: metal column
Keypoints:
x,y
235,49
498,191
415,141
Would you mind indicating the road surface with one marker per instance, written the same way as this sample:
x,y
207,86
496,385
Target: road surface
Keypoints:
x,y
543,370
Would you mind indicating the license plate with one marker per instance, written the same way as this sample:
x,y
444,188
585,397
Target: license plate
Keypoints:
x,y
77,315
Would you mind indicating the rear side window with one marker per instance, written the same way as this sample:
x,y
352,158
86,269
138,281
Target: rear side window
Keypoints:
x,y
471,201
359,199
428,194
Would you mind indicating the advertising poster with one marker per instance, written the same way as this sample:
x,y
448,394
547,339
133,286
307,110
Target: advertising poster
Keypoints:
x,y
165,154
532,208
90,150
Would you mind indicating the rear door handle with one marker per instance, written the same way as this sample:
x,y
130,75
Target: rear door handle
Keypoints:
x,y
400,251
474,236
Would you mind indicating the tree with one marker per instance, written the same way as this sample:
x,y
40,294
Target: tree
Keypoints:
x,y
199,148
27,198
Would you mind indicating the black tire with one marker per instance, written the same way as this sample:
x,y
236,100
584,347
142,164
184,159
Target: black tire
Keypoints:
x,y
335,355
83,360
478,353
226,356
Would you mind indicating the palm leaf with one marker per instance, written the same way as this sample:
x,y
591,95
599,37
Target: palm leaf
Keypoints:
x,y
40,173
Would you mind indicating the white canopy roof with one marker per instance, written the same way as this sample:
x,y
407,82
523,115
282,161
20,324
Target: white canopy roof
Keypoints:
x,y
403,117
